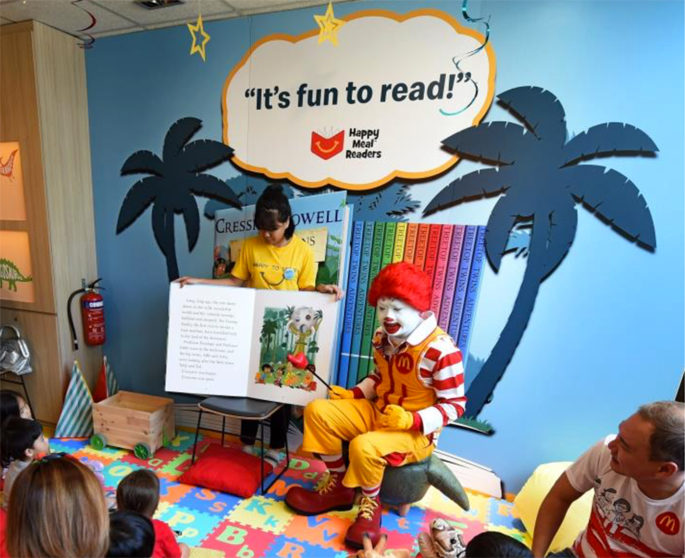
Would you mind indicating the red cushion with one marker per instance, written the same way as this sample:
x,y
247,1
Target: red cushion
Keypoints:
x,y
227,470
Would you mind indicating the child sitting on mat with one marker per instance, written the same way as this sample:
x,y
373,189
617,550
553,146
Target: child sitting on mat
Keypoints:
x,y
139,492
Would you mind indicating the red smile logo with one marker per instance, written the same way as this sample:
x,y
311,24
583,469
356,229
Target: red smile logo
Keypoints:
x,y
327,147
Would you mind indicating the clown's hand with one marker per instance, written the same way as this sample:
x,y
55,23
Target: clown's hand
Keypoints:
x,y
396,418
337,392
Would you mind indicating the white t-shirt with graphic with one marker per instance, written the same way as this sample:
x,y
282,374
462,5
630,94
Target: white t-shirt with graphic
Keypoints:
x,y
624,522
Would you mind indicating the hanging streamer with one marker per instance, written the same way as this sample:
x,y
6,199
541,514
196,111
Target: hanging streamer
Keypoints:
x,y
86,42
457,60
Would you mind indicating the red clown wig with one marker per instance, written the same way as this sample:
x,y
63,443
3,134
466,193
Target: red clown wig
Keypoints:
x,y
404,281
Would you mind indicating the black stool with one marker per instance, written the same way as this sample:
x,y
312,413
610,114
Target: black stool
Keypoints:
x,y
242,408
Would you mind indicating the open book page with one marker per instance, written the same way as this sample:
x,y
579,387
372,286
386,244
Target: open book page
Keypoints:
x,y
209,332
292,342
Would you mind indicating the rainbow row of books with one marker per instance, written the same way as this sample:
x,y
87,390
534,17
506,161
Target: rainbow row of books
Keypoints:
x,y
453,255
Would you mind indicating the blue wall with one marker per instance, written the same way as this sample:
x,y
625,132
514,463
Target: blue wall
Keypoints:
x,y
607,332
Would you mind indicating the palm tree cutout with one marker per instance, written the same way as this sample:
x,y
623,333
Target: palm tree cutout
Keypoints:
x,y
175,180
541,183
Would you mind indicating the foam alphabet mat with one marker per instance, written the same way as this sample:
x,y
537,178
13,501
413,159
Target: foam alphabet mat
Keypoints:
x,y
217,524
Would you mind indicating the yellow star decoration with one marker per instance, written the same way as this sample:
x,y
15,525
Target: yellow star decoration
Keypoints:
x,y
205,37
329,26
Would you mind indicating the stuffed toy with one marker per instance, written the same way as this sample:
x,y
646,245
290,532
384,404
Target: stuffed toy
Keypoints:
x,y
443,541
393,416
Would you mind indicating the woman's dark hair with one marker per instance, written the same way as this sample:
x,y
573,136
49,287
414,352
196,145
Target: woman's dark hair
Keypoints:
x,y
492,543
139,492
273,208
130,534
18,435
9,405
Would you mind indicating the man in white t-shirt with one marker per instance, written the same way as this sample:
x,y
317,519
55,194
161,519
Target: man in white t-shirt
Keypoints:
x,y
639,482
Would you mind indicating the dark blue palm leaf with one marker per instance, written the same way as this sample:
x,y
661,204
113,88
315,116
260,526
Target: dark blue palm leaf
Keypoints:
x,y
614,198
471,186
612,138
159,225
540,110
143,161
191,215
178,135
502,220
138,198
563,224
499,143
203,154
213,187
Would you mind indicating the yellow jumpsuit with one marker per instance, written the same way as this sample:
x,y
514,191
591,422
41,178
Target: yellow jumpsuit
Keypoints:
x,y
329,422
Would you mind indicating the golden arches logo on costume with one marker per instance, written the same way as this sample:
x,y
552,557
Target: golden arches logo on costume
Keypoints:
x,y
404,363
668,523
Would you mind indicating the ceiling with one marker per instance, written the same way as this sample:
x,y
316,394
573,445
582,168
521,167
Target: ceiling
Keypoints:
x,y
116,17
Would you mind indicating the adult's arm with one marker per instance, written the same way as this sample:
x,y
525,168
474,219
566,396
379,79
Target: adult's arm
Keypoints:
x,y
551,514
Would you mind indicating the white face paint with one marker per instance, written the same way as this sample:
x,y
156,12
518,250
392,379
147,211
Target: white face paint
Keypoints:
x,y
397,318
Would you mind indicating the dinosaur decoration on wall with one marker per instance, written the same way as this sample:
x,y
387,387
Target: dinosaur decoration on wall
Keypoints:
x,y
175,180
10,274
538,175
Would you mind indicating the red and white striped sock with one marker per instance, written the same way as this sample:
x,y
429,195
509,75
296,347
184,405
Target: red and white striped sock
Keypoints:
x,y
335,463
371,491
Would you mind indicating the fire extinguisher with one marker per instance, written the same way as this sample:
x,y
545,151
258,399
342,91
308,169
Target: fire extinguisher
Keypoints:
x,y
92,313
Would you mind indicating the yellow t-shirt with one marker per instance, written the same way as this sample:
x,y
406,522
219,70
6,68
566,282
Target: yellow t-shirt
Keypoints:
x,y
288,268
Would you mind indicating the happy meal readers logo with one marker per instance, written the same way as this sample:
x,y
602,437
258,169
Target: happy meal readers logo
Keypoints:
x,y
668,523
327,147
404,363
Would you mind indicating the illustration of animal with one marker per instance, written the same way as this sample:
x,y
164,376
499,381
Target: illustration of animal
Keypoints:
x,y
443,541
10,272
304,321
6,169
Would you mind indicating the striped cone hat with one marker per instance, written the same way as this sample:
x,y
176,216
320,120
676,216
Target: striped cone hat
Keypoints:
x,y
76,420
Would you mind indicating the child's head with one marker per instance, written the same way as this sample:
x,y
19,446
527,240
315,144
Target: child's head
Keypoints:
x,y
130,534
492,543
139,492
273,216
13,405
22,440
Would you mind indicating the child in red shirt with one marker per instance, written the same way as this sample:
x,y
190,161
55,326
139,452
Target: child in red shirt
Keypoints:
x,y
139,492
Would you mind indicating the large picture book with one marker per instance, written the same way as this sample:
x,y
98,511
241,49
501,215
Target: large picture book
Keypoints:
x,y
452,254
265,344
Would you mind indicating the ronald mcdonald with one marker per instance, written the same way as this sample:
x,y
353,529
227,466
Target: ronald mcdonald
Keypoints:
x,y
393,416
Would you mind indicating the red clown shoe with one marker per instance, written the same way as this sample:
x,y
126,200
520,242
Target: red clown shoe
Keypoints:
x,y
328,495
368,523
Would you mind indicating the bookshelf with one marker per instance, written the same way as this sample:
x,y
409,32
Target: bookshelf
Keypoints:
x,y
44,118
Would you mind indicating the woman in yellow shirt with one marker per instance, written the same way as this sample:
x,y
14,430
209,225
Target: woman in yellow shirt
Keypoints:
x,y
275,259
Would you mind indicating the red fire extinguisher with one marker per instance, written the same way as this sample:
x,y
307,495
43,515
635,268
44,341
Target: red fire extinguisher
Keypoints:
x,y
92,313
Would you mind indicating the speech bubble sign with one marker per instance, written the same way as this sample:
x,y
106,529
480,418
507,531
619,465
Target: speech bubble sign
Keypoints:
x,y
374,108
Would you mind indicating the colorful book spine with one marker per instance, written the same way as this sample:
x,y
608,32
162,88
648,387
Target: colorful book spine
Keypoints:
x,y
350,301
360,304
365,354
388,244
462,282
451,277
472,292
421,245
441,269
434,234
400,238
410,244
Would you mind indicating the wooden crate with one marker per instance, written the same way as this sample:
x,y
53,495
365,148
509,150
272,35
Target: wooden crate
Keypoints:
x,y
128,419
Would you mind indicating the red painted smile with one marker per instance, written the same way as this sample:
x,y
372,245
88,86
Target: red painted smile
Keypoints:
x,y
391,327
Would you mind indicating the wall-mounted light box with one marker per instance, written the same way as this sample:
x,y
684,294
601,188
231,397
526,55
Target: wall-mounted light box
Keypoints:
x,y
12,206
16,276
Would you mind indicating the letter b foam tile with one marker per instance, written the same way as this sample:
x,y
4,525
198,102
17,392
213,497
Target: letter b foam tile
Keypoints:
x,y
238,540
